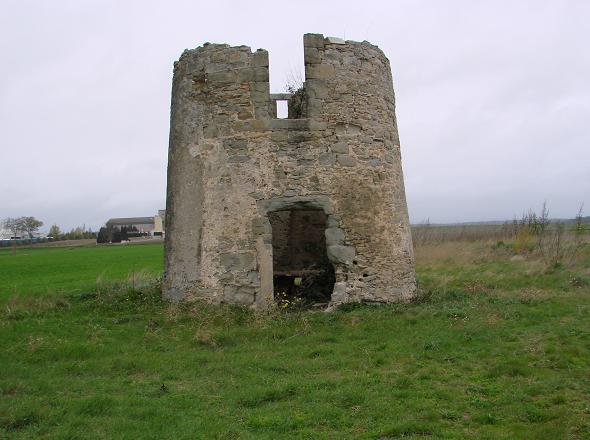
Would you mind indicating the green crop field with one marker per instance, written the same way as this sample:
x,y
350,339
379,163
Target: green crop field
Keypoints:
x,y
495,347
43,270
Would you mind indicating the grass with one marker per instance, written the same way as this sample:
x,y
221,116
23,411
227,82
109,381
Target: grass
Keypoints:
x,y
493,348
48,270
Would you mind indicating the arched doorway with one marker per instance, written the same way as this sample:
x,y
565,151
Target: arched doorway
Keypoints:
x,y
301,268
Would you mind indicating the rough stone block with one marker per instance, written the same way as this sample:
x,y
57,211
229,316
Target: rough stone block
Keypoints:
x,y
260,58
340,147
300,202
235,262
235,144
279,136
244,114
334,236
224,76
259,96
348,129
289,124
346,160
245,75
339,293
261,87
261,226
244,295
327,159
312,55
315,125
315,107
254,278
341,254
313,40
316,88
219,56
210,131
239,158
319,71
261,74
333,221
261,111
335,40
299,136
203,292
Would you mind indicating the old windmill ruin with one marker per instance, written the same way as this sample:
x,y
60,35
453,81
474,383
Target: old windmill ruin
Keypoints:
x,y
312,205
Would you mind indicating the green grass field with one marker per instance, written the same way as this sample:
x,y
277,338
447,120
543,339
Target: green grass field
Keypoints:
x,y
493,349
43,270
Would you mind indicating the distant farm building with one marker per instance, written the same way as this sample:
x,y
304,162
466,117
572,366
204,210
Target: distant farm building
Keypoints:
x,y
153,226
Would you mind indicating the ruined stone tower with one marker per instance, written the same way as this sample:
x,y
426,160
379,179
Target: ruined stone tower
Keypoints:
x,y
312,205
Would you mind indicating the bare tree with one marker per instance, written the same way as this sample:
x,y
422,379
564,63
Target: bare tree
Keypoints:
x,y
579,232
30,225
20,225
557,244
14,225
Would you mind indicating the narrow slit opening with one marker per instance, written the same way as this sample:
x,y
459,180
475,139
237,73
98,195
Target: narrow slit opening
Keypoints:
x,y
282,109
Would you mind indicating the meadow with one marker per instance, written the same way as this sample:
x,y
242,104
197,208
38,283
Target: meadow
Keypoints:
x,y
495,346
45,270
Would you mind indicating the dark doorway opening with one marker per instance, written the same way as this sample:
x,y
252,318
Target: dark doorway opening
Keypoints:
x,y
301,268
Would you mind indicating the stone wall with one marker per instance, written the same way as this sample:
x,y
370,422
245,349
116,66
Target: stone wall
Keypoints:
x,y
231,162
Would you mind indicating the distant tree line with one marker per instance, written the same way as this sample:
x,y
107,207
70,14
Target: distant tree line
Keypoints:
x,y
77,233
115,234
26,228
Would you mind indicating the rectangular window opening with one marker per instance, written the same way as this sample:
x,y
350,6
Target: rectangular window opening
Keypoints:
x,y
282,109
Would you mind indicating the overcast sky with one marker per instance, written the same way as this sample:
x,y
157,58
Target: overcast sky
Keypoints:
x,y
493,98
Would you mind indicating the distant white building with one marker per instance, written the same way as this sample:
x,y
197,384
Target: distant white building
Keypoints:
x,y
7,234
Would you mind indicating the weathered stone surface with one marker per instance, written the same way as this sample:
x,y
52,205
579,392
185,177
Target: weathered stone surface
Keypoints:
x,y
334,236
340,147
313,55
335,40
313,40
346,160
260,58
232,165
261,226
316,88
339,294
327,159
224,76
319,71
237,261
238,159
239,294
341,254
